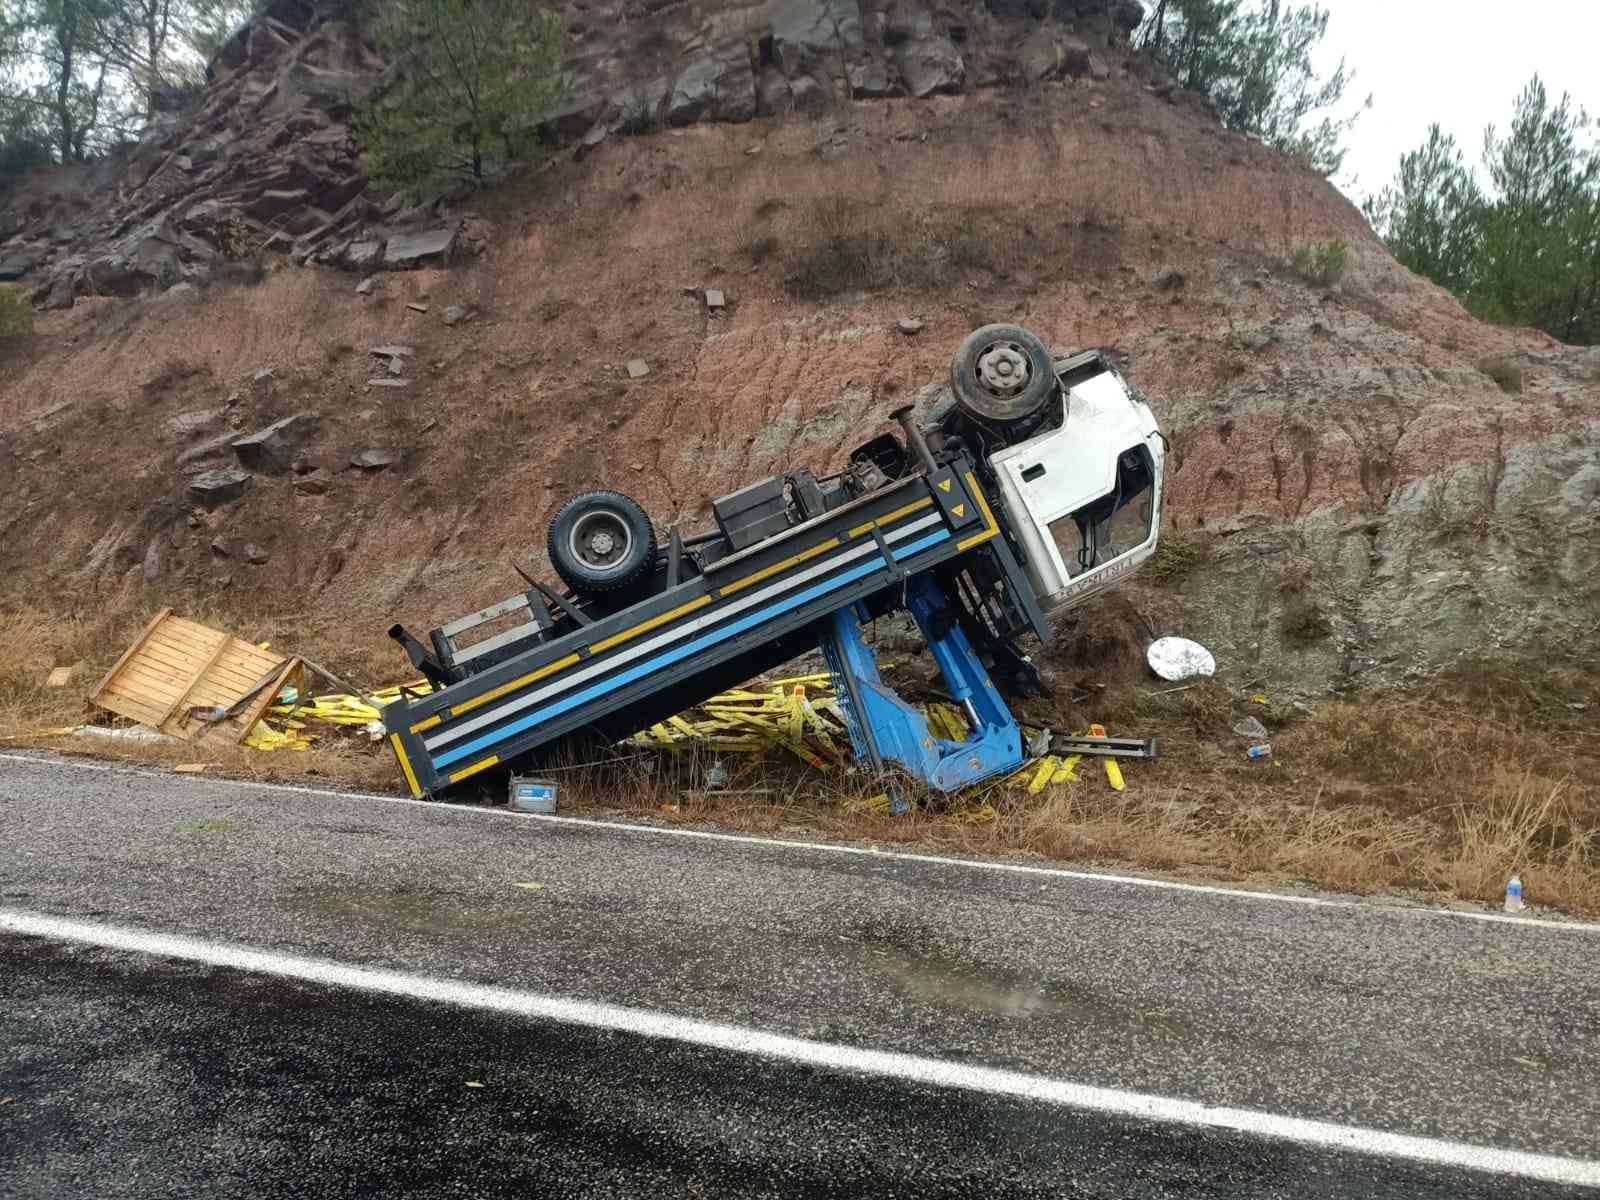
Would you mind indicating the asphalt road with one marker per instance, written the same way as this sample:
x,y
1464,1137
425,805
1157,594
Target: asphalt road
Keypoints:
x,y
129,1074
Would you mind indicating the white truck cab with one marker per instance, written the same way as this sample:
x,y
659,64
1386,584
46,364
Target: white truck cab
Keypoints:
x,y
1084,497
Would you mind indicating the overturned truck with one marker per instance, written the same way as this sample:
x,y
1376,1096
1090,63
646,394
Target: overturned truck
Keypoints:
x,y
1034,483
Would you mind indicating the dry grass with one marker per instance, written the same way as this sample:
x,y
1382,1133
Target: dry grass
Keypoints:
x,y
1431,794
1178,552
1443,791
839,244
32,713
1320,264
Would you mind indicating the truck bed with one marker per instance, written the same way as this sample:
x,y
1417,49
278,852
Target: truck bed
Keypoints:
x,y
747,613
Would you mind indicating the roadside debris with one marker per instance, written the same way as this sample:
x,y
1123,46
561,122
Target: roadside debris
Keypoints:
x,y
532,795
128,733
1259,750
292,723
798,715
61,676
1251,728
191,682
1113,770
183,680
637,368
1514,894
1176,659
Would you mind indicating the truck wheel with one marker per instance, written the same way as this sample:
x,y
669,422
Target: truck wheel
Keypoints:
x,y
601,542
1002,373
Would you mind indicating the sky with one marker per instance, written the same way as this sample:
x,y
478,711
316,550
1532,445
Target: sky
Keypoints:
x,y
1458,62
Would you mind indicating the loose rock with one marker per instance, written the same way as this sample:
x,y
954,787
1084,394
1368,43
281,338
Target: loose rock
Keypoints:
x,y
637,368
215,488
314,484
271,449
930,66
1075,56
1039,58
433,248
872,80
911,325
374,459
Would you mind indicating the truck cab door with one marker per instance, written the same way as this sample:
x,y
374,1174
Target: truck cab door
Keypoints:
x,y
1084,498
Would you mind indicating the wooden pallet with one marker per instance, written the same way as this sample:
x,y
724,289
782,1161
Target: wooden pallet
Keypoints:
x,y
177,665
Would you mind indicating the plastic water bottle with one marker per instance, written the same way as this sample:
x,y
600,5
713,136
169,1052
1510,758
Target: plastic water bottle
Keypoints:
x,y
1260,751
1514,894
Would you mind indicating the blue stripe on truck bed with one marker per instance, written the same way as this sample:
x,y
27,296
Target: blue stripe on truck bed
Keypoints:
x,y
649,666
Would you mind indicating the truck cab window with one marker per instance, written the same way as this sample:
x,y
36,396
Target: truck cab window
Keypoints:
x,y
1111,526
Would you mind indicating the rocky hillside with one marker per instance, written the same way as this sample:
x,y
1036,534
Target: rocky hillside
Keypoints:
x,y
1366,482
268,165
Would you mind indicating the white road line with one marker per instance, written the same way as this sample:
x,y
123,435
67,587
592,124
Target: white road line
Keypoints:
x,y
909,1068
872,852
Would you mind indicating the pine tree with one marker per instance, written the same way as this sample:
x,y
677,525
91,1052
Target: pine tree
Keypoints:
x,y
1254,63
470,83
1526,252
1537,239
1431,215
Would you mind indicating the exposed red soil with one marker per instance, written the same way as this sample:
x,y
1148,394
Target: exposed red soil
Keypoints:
x,y
1095,214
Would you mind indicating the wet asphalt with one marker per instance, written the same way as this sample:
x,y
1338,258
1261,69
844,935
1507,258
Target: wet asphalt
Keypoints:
x,y
130,1076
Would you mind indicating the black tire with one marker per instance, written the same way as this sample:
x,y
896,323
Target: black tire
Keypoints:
x,y
601,542
1002,374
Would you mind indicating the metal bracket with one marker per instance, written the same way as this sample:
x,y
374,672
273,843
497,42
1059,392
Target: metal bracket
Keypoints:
x,y
674,557
1104,747
565,605
896,571
536,604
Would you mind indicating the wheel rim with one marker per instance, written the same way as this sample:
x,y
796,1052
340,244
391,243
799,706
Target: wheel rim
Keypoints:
x,y
600,540
1004,369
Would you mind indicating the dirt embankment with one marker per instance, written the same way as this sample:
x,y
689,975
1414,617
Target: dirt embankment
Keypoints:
x,y
1365,481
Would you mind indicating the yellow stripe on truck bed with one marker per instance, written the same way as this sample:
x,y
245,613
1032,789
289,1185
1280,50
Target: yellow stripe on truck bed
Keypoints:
x,y
530,677
475,768
405,765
